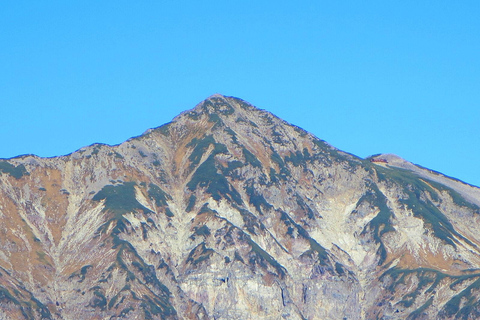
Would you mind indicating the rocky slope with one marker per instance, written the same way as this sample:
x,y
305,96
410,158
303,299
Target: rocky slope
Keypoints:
x,y
228,212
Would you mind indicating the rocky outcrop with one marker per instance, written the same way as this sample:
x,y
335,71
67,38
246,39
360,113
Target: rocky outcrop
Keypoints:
x,y
229,212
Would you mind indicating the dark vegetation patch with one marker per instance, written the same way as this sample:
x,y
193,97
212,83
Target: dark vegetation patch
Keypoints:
x,y
191,203
251,159
15,171
297,158
276,158
158,195
202,231
116,154
169,213
99,300
273,175
238,257
231,167
216,184
232,134
144,228
207,210
199,148
339,268
381,223
214,118
256,199
81,273
120,199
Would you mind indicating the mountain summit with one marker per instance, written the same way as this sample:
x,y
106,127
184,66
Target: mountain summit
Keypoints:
x,y
229,212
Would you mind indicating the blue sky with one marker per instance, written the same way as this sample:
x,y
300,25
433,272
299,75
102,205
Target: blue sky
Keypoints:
x,y
369,77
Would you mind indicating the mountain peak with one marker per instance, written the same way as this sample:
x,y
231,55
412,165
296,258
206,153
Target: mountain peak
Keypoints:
x,y
216,108
221,104
216,95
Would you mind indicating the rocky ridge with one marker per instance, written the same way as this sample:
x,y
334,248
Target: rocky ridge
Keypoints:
x,y
229,212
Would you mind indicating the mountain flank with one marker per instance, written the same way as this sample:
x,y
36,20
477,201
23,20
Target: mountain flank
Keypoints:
x,y
229,212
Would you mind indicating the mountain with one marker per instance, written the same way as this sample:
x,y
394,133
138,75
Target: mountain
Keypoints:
x,y
229,212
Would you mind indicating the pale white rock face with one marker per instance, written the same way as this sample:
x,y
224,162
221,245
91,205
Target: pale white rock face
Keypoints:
x,y
228,212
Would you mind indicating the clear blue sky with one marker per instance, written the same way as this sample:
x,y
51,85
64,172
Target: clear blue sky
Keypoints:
x,y
369,77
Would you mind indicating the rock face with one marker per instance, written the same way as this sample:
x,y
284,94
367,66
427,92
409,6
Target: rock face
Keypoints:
x,y
228,212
